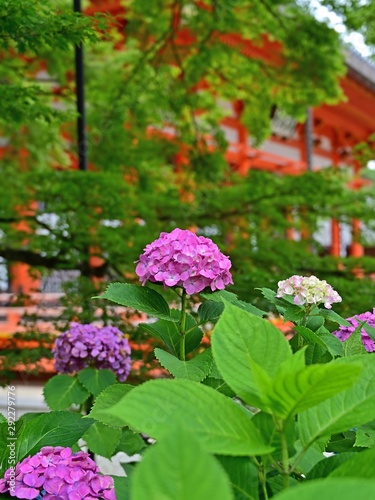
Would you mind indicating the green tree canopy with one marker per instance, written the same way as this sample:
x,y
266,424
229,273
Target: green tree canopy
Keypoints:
x,y
167,68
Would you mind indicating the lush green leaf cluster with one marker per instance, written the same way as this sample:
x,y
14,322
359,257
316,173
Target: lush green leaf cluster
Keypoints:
x,y
157,89
256,417
294,400
28,30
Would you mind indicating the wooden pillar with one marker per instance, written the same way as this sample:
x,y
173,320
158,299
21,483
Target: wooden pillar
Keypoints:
x,y
243,164
356,249
309,142
21,278
335,249
306,151
304,143
21,281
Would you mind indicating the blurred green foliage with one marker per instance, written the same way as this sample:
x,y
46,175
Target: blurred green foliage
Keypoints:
x,y
141,81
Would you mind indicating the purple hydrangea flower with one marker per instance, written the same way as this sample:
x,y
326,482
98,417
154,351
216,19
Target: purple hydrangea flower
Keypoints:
x,y
57,472
88,345
345,331
308,290
181,258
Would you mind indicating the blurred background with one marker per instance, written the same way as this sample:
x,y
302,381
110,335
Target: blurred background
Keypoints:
x,y
251,122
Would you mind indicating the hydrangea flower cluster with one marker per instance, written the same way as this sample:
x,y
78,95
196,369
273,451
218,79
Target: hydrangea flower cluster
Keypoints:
x,y
88,345
308,290
181,258
345,331
57,472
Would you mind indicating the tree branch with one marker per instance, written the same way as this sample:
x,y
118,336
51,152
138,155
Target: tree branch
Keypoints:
x,y
33,258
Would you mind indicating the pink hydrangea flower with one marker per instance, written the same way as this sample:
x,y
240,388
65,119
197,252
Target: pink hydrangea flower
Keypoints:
x,y
181,258
57,472
88,345
345,331
308,290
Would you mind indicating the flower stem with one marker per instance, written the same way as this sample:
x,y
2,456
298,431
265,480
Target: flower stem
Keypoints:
x,y
182,325
285,457
300,342
262,479
88,406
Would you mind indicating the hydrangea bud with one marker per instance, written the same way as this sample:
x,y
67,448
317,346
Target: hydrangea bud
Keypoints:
x,y
345,331
183,259
57,472
308,290
85,346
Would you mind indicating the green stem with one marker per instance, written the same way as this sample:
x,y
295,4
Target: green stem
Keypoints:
x,y
261,476
299,457
264,484
199,323
88,406
285,456
280,427
276,465
182,325
300,342
308,310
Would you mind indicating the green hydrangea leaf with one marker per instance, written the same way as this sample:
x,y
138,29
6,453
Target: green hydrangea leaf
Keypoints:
x,y
330,489
220,424
106,399
95,380
243,477
140,298
62,391
102,439
179,468
195,369
360,465
168,332
350,408
248,352
57,428
210,311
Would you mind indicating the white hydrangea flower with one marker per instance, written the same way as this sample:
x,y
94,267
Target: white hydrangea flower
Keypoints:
x,y
308,290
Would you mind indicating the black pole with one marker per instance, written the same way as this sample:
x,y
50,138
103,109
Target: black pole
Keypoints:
x,y
80,93
309,139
